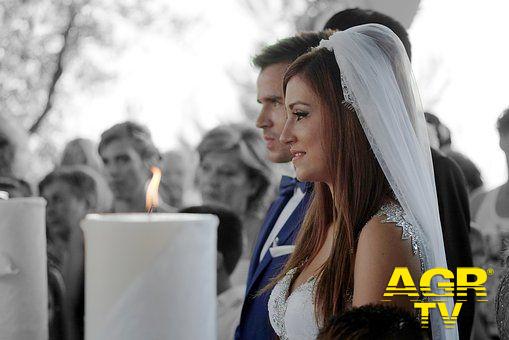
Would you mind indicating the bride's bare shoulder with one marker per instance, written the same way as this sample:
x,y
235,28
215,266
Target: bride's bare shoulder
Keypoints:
x,y
380,248
383,233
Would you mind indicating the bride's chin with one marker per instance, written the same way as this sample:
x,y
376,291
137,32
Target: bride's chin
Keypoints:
x,y
301,176
308,176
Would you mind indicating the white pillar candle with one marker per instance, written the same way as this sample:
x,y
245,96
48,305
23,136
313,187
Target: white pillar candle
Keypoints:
x,y
150,276
23,270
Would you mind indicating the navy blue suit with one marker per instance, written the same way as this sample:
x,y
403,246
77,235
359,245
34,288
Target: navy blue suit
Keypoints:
x,y
254,320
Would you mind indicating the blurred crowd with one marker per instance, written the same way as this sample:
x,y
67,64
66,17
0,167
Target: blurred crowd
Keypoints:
x,y
234,181
228,170
229,176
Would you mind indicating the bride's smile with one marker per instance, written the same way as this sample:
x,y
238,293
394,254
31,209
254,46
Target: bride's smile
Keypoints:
x,y
302,131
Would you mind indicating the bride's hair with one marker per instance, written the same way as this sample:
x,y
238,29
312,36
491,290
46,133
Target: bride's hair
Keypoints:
x,y
359,185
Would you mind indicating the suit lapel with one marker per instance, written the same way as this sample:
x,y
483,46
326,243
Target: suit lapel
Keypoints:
x,y
272,215
292,226
289,229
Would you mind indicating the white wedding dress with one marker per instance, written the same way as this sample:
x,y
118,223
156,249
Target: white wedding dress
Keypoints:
x,y
293,316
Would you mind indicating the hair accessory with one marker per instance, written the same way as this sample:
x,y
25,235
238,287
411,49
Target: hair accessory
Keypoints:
x,y
349,101
326,43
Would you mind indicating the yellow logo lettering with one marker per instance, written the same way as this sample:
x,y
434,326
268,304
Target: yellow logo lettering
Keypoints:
x,y
462,284
449,321
401,274
402,284
447,286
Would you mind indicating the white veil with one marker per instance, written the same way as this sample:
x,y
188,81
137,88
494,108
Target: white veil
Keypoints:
x,y
378,82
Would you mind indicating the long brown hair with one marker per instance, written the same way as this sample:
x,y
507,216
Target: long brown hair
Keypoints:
x,y
359,186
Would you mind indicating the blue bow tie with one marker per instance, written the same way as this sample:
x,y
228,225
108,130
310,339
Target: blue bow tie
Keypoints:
x,y
287,185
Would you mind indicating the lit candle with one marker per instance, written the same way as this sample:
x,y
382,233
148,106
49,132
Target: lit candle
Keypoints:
x,y
23,269
150,276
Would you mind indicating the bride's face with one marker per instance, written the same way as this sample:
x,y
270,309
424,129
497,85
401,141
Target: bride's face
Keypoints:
x,y
303,131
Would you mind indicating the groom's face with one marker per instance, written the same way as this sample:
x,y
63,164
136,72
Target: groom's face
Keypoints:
x,y
272,116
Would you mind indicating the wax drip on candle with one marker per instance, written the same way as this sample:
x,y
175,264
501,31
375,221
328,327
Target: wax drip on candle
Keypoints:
x,y
152,197
7,266
4,195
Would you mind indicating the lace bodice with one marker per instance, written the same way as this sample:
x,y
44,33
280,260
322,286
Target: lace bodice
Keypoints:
x,y
293,316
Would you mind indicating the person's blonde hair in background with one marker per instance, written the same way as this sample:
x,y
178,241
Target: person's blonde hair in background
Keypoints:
x,y
82,151
233,172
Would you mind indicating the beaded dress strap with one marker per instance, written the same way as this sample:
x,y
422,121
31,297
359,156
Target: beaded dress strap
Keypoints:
x,y
394,213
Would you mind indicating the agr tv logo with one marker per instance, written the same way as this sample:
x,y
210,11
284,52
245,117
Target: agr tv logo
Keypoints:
x,y
402,284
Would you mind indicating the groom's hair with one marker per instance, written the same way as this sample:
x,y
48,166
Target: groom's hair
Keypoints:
x,y
288,49
378,321
229,233
356,16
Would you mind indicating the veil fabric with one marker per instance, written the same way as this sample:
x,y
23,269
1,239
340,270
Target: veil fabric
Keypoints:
x,y
378,82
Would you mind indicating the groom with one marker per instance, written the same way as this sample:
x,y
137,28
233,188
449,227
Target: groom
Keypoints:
x,y
285,215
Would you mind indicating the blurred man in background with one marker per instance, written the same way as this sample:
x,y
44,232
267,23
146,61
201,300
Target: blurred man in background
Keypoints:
x,y
71,193
128,153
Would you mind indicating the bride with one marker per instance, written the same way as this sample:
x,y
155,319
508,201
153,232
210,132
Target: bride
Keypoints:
x,y
356,128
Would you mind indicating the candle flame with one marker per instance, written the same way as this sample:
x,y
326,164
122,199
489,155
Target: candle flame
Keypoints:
x,y
152,198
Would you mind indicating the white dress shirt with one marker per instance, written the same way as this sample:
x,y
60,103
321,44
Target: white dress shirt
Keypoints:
x,y
292,204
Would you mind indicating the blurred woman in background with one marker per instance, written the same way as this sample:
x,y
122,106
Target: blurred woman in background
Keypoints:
x,y
233,172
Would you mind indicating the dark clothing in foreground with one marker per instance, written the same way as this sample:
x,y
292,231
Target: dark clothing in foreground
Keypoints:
x,y
56,292
455,218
